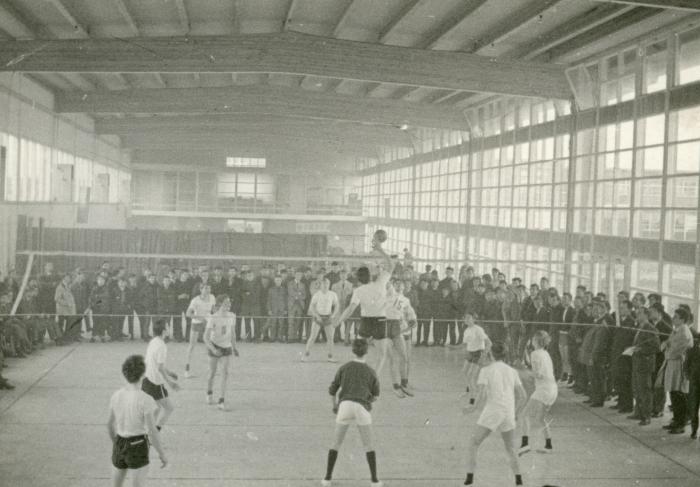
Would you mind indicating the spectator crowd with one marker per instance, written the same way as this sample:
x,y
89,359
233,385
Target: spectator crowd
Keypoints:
x,y
628,348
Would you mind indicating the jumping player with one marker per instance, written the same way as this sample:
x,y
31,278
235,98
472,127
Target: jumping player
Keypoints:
x,y
323,306
157,375
221,343
544,396
357,387
199,310
132,427
502,395
478,344
371,297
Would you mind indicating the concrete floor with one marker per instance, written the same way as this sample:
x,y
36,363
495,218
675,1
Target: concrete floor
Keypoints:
x,y
279,426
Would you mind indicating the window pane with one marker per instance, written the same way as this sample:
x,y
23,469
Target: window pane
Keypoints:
x,y
645,275
681,225
679,279
650,162
689,57
647,224
682,192
684,158
655,67
648,193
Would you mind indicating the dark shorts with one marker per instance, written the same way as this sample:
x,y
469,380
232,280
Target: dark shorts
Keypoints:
x,y
156,391
325,321
474,357
224,351
373,327
393,329
131,452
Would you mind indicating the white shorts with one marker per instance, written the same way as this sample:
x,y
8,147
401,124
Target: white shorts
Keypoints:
x,y
546,396
351,412
495,420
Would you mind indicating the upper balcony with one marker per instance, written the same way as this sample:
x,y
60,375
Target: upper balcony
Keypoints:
x,y
249,209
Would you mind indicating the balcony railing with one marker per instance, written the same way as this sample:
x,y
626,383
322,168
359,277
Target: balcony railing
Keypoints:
x,y
257,208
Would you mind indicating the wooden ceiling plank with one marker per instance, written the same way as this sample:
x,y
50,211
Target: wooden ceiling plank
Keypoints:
x,y
289,15
183,15
78,29
593,18
343,18
124,12
683,5
267,99
461,13
603,30
12,22
406,9
512,23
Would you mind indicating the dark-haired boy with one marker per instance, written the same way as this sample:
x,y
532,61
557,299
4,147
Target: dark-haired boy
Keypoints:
x,y
357,387
157,374
131,425
501,394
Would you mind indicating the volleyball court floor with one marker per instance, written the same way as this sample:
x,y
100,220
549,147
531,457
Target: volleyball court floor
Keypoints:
x,y
280,425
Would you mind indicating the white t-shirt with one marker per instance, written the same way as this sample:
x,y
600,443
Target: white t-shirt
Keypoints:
x,y
500,380
156,354
130,407
543,369
475,337
201,307
324,302
221,326
398,307
372,296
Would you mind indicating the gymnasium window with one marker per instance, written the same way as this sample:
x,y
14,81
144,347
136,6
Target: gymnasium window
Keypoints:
x,y
246,162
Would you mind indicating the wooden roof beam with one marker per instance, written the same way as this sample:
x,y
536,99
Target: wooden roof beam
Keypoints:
x,y
12,23
684,5
288,53
289,15
598,15
263,100
343,18
512,23
406,9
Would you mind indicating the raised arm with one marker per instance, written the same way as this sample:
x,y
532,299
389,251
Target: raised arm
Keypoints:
x,y
390,264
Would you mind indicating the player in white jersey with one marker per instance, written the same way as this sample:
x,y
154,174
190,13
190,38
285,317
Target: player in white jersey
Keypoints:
x,y
399,307
323,307
199,310
477,344
370,296
220,341
158,375
502,395
546,391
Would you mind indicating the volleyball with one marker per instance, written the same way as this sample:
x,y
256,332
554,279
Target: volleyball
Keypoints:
x,y
380,236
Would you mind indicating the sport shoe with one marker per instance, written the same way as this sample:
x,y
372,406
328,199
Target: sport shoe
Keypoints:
x,y
304,358
399,393
523,450
325,483
377,484
407,390
332,360
221,405
545,450
210,399
188,375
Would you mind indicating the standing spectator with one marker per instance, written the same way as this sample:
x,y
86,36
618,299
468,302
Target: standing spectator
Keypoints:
x,y
235,292
275,327
556,317
442,314
218,284
333,275
149,305
201,280
250,306
675,382
692,370
68,322
427,276
81,294
492,317
663,328
343,289
600,354
308,279
296,302
423,311
47,290
567,358
448,279
621,364
100,307
646,345
182,289
122,309
167,302
457,313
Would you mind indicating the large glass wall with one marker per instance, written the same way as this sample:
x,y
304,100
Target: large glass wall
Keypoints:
x,y
604,192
